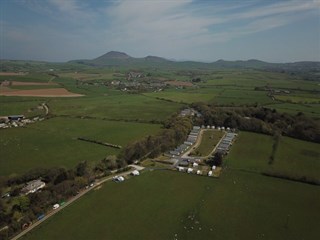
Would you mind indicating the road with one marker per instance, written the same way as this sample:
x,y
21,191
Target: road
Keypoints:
x,y
186,154
82,193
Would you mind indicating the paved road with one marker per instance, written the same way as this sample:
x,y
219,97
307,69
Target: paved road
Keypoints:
x,y
50,214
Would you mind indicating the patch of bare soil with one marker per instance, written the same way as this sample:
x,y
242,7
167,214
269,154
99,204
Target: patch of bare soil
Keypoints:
x,y
49,92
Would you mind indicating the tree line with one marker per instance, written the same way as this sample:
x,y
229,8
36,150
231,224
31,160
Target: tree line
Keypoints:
x,y
261,120
175,131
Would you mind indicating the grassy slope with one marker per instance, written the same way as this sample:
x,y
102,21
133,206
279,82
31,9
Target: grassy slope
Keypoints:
x,y
54,142
158,205
251,151
116,106
294,157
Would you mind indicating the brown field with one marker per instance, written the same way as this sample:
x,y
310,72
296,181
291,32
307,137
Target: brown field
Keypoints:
x,y
16,83
179,83
50,92
12,74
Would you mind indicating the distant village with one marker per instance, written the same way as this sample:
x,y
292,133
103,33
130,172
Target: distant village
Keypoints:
x,y
137,81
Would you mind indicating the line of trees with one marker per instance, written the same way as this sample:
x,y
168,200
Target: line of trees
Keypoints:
x,y
176,130
260,120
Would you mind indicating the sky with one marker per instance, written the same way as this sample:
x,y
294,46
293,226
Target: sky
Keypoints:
x,y
200,30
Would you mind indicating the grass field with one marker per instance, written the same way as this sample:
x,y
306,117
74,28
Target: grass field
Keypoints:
x,y
171,205
27,108
294,158
183,96
251,152
54,142
116,106
210,139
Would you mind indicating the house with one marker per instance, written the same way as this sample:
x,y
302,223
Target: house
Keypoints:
x,y
210,173
135,173
33,186
190,170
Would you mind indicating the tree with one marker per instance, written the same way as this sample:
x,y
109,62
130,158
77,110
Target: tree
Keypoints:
x,y
217,159
82,169
23,203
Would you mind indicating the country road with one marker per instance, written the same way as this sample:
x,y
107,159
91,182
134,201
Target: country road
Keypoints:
x,y
82,193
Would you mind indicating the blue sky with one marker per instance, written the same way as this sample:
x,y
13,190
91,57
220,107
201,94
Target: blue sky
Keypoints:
x,y
61,30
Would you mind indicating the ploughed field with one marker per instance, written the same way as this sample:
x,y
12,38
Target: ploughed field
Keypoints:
x,y
172,205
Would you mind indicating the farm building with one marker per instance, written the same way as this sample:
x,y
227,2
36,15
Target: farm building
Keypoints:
x,y
33,186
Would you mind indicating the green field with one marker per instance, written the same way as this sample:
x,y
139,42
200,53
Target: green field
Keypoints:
x,y
54,142
209,140
294,158
183,96
115,106
27,108
171,205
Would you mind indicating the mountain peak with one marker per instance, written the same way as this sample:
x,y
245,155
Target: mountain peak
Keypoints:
x,y
113,55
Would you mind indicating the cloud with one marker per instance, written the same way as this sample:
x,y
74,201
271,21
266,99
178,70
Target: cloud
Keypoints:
x,y
161,27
